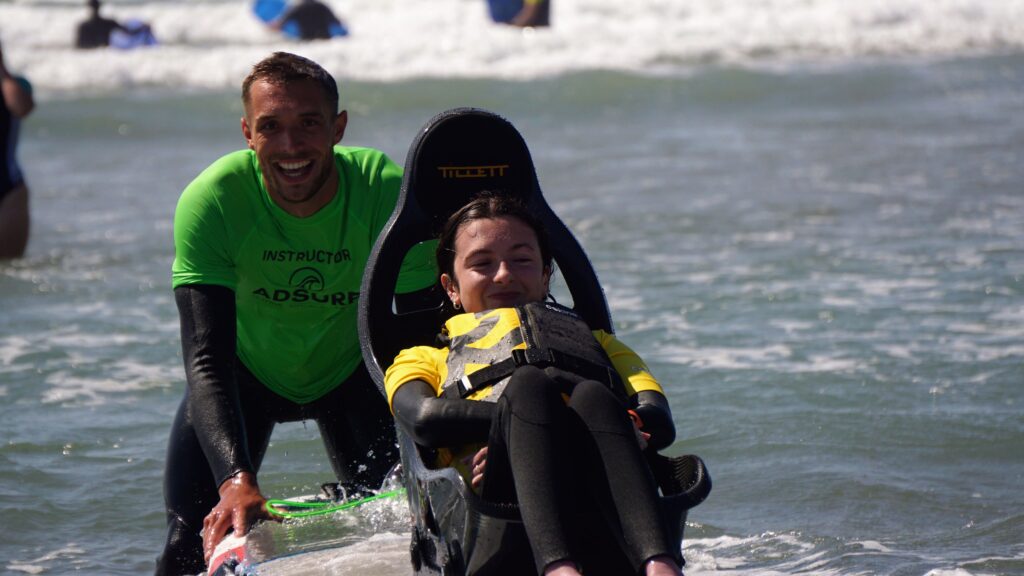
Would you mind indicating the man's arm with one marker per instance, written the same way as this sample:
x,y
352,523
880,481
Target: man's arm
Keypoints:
x,y
207,316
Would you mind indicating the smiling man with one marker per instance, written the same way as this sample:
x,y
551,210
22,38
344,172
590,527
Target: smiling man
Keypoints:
x,y
270,246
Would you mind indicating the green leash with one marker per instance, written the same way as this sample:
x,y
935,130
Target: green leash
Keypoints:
x,y
280,507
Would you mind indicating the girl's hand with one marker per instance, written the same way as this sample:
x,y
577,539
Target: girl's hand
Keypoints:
x,y
641,436
479,465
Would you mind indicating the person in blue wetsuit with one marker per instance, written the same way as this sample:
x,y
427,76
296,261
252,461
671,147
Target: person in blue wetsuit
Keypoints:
x,y
555,437
15,104
313,19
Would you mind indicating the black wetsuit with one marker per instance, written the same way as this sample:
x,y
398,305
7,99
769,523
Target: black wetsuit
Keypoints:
x,y
603,514
95,32
313,18
10,172
205,449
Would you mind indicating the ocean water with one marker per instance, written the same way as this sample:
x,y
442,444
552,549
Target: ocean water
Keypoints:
x,y
808,216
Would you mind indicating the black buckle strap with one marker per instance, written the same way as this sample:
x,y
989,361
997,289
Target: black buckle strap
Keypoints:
x,y
533,357
485,376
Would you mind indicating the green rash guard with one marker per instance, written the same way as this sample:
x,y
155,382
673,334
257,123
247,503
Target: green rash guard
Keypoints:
x,y
296,280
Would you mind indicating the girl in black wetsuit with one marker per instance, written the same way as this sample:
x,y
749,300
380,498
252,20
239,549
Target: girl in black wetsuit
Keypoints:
x,y
560,444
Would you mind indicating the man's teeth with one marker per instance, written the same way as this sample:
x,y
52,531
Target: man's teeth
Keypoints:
x,y
294,165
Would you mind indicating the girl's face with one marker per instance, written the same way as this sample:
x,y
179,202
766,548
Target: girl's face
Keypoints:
x,y
497,265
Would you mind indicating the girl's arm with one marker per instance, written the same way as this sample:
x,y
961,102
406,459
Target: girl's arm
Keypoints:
x,y
437,422
652,408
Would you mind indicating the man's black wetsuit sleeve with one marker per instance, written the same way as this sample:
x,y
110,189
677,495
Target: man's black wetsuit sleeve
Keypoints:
x,y
435,422
652,407
207,316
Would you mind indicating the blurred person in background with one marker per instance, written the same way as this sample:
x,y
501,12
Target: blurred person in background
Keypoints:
x,y
521,13
100,32
15,104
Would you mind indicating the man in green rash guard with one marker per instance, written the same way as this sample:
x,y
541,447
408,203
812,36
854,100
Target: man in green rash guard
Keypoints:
x,y
270,246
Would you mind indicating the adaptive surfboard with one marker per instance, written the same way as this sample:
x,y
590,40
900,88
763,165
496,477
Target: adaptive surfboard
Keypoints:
x,y
313,527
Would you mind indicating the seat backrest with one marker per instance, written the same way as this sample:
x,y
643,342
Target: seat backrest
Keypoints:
x,y
456,155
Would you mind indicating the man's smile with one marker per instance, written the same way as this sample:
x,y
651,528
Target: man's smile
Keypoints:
x,y
295,170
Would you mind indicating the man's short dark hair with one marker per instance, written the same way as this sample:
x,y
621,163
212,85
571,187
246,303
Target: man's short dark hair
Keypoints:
x,y
281,68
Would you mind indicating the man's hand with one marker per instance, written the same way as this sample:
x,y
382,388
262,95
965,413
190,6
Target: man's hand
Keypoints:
x,y
241,504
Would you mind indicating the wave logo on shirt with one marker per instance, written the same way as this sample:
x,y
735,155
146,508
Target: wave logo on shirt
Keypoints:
x,y
306,285
308,279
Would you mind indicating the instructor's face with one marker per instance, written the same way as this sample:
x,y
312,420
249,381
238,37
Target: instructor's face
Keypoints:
x,y
292,129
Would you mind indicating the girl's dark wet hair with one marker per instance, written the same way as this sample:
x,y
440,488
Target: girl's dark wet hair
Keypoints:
x,y
281,68
485,206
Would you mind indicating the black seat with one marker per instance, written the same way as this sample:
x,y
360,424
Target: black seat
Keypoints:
x,y
456,155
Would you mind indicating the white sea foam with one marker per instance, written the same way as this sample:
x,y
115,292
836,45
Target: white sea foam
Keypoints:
x,y
837,302
121,379
879,287
380,554
12,348
788,553
874,546
45,563
1010,314
213,44
706,357
792,326
770,237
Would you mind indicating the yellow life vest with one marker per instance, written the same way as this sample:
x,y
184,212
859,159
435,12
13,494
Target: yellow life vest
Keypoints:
x,y
485,348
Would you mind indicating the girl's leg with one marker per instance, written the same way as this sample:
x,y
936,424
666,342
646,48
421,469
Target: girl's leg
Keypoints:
x,y
528,462
622,482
